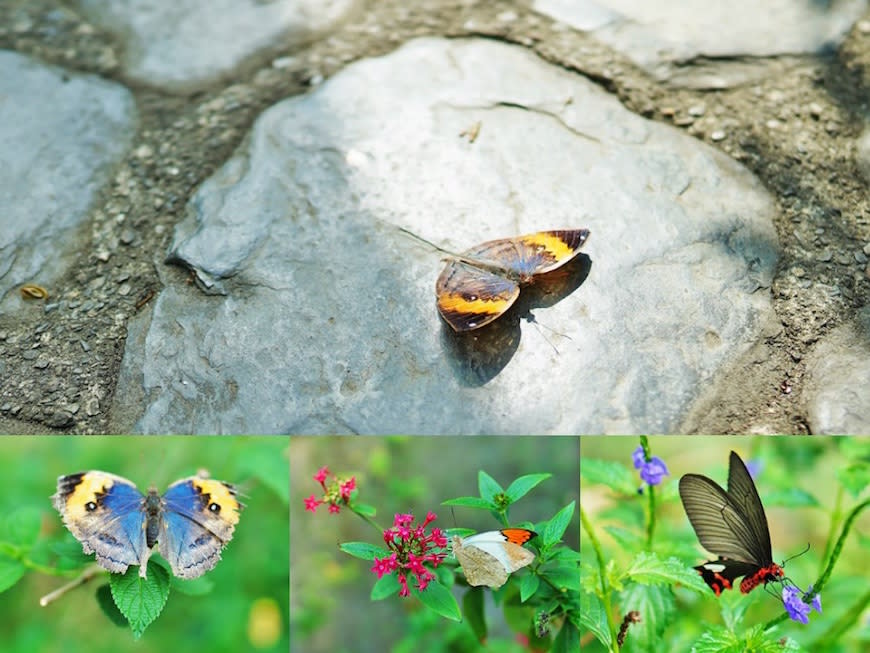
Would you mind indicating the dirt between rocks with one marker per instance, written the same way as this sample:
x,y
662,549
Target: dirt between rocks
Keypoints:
x,y
796,128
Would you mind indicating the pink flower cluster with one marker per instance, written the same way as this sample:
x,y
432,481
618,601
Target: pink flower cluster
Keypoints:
x,y
334,495
411,548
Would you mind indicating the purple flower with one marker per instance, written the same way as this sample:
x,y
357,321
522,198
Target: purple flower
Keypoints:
x,y
651,472
754,468
794,603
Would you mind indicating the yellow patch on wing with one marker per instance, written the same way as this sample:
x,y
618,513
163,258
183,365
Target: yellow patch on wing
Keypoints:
x,y
557,247
86,491
222,495
459,304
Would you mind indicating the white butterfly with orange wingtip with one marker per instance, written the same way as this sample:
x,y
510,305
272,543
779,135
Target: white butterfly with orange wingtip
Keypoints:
x,y
487,558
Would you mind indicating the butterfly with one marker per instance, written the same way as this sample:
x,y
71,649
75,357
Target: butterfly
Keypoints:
x,y
482,283
487,558
190,524
731,524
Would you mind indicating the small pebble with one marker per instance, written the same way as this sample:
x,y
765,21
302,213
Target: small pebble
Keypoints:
x,y
697,110
717,135
825,256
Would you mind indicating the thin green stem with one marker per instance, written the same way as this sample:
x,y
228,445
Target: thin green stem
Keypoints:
x,y
602,573
651,498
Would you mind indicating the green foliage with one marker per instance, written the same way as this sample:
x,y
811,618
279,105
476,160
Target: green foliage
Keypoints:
x,y
38,555
140,600
624,570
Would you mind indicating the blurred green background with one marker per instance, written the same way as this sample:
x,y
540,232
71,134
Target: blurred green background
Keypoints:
x,y
329,593
793,472
247,607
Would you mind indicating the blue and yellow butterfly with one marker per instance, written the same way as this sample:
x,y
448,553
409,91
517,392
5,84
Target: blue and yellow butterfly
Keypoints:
x,y
190,523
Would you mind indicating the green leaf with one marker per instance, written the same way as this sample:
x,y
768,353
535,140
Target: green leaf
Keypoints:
x,y
854,477
594,618
140,600
656,606
520,487
648,569
11,571
470,502
488,486
107,605
627,539
438,598
385,586
529,585
365,509
364,550
563,575
266,460
614,475
556,527
567,641
472,610
22,526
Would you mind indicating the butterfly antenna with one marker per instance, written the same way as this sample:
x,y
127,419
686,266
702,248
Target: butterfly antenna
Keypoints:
x,y
797,555
427,242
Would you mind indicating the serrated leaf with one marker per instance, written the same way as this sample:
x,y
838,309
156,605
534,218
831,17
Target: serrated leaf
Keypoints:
x,y
488,486
614,475
364,550
648,569
139,599
470,502
657,608
107,605
520,487
11,571
438,598
472,611
385,586
594,618
556,527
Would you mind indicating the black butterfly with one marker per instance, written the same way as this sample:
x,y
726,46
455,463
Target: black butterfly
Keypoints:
x,y
731,525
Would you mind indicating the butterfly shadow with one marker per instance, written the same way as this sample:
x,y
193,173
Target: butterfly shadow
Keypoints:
x,y
476,357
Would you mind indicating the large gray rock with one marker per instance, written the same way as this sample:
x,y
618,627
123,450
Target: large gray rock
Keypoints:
x,y
837,385
184,44
61,134
321,313
658,36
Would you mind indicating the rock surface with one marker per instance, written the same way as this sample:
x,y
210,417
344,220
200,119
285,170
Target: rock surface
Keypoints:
x,y
62,136
325,322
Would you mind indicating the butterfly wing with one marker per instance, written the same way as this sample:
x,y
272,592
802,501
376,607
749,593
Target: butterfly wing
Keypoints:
x,y
199,516
470,297
105,513
537,253
488,558
744,495
719,522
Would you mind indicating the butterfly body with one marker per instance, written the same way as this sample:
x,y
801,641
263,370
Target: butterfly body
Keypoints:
x,y
482,283
190,523
731,524
488,558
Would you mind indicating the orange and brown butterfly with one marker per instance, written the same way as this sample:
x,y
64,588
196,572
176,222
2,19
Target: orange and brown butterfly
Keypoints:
x,y
482,283
489,558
